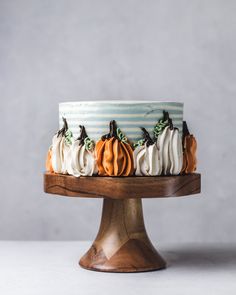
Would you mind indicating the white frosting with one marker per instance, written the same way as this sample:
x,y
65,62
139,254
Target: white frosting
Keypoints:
x,y
165,156
147,160
163,142
170,145
60,149
176,153
79,161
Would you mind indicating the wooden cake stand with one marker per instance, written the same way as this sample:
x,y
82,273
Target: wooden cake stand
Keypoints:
x,y
122,244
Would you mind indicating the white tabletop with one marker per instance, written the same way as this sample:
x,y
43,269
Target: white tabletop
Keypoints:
x,y
32,268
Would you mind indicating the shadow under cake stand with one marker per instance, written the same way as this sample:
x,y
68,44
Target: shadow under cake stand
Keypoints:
x,y
122,244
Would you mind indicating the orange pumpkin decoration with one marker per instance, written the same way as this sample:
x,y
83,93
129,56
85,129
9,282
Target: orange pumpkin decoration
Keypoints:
x,y
189,151
114,154
49,161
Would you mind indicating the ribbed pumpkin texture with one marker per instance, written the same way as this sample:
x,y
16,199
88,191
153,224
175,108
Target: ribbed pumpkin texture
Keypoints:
x,y
49,161
189,151
114,157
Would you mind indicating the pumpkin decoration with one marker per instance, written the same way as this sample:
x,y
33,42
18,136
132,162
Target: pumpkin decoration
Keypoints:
x,y
189,151
80,160
61,143
49,167
169,144
147,160
114,154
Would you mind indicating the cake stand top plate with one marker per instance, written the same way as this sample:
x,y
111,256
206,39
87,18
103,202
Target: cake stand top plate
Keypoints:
x,y
122,187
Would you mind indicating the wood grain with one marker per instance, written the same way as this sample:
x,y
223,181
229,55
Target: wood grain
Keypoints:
x,y
122,244
122,187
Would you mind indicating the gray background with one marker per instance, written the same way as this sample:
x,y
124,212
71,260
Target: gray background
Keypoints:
x,y
53,51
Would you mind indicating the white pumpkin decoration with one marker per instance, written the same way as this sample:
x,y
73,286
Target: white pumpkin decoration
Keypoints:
x,y
147,160
80,159
169,143
61,144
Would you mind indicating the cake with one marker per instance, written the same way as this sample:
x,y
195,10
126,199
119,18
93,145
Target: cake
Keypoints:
x,y
122,138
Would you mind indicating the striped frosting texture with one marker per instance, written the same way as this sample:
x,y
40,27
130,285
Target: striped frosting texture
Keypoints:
x,y
95,116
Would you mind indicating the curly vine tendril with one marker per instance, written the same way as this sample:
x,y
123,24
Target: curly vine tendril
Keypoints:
x,y
89,144
68,137
160,126
139,143
121,136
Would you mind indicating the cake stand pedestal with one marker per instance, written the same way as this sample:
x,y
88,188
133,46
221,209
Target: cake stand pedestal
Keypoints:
x,y
122,244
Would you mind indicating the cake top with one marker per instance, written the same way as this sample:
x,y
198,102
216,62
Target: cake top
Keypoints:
x,y
114,101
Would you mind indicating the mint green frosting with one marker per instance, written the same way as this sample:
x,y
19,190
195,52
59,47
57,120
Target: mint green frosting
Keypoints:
x,y
121,136
139,143
89,144
68,137
160,126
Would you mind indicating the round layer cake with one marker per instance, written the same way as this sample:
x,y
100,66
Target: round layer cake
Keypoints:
x,y
129,116
122,138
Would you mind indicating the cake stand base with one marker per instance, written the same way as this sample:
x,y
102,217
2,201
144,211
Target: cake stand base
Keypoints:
x,y
122,244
